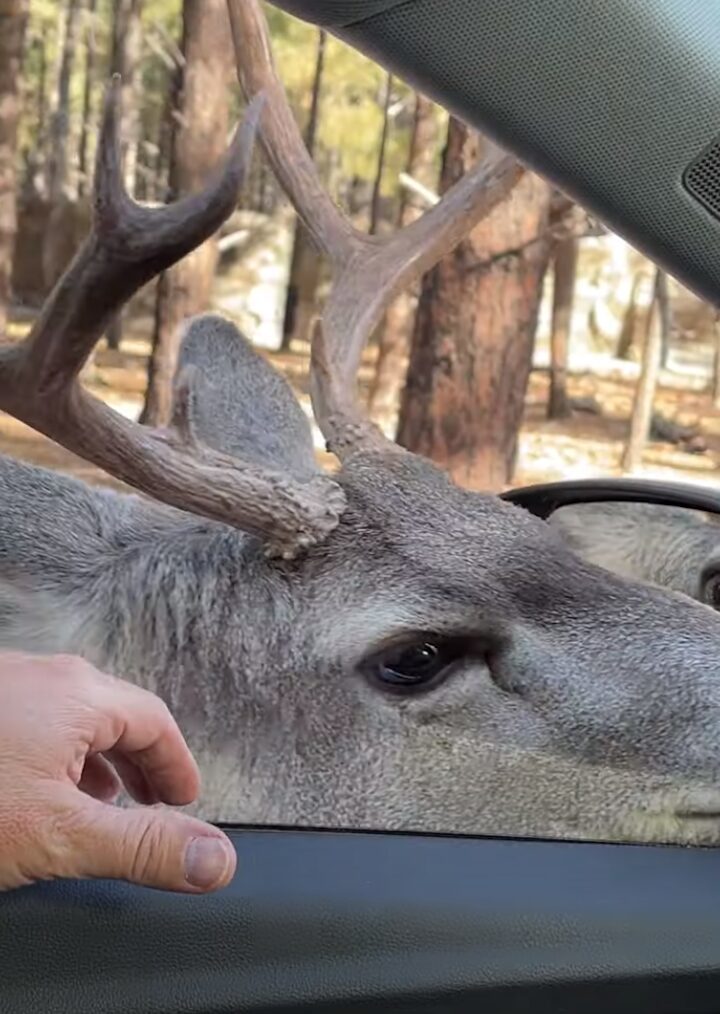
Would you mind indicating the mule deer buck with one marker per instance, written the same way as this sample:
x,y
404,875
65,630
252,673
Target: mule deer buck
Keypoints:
x,y
673,547
373,648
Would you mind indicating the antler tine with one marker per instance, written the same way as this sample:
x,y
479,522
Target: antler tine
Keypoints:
x,y
367,272
280,137
127,246
366,286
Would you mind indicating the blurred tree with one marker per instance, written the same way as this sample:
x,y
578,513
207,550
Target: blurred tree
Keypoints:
x,y
125,61
39,48
65,223
641,416
159,88
629,321
564,258
382,152
393,342
305,263
715,380
39,80
58,166
569,223
666,317
199,143
13,18
472,347
87,125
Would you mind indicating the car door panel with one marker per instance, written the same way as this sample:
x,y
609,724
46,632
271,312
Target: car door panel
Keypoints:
x,y
362,922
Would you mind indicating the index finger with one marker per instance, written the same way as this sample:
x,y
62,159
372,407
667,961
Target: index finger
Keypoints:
x,y
137,725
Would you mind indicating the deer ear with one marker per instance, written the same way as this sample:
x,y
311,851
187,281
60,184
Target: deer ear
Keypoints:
x,y
237,403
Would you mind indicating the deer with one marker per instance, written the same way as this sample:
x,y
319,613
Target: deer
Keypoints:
x,y
368,647
673,547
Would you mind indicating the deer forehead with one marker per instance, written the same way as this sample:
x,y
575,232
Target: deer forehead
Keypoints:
x,y
406,504
413,553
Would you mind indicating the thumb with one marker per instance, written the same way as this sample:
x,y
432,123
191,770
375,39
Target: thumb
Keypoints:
x,y
153,847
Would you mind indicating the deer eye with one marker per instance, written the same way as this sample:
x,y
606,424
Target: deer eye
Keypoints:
x,y
711,590
409,667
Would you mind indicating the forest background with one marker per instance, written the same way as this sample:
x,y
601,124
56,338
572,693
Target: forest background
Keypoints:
x,y
544,347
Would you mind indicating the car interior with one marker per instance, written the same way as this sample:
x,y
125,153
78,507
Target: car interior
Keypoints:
x,y
618,104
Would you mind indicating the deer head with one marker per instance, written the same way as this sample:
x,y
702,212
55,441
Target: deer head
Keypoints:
x,y
375,648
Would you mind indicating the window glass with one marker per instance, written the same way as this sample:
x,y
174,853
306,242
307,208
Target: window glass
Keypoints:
x,y
349,625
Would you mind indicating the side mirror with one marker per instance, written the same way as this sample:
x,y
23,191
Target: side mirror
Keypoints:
x,y
659,533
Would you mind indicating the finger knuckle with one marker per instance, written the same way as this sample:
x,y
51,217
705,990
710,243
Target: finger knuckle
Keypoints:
x,y
46,837
72,668
158,708
164,714
145,849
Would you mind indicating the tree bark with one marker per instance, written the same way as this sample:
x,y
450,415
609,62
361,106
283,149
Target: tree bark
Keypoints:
x,y
199,143
629,321
472,347
13,19
59,164
665,312
125,61
565,268
305,263
166,133
382,149
641,415
715,387
41,99
87,126
394,337
59,241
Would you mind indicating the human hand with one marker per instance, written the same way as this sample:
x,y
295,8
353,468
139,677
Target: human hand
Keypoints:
x,y
70,738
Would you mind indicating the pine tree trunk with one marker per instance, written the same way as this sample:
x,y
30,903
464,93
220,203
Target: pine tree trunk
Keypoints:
x,y
665,312
395,334
88,124
565,267
472,347
198,146
59,163
41,98
305,263
715,384
166,134
59,242
629,321
125,61
380,167
13,19
641,416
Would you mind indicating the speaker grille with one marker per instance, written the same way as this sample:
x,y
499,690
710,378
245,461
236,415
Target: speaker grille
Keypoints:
x,y
702,179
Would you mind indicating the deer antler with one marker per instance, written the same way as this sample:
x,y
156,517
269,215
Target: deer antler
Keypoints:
x,y
368,272
127,246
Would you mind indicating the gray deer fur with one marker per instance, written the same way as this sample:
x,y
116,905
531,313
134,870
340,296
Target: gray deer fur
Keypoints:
x,y
583,705
673,547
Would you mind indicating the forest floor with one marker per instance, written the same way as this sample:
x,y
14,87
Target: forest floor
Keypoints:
x,y
582,446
